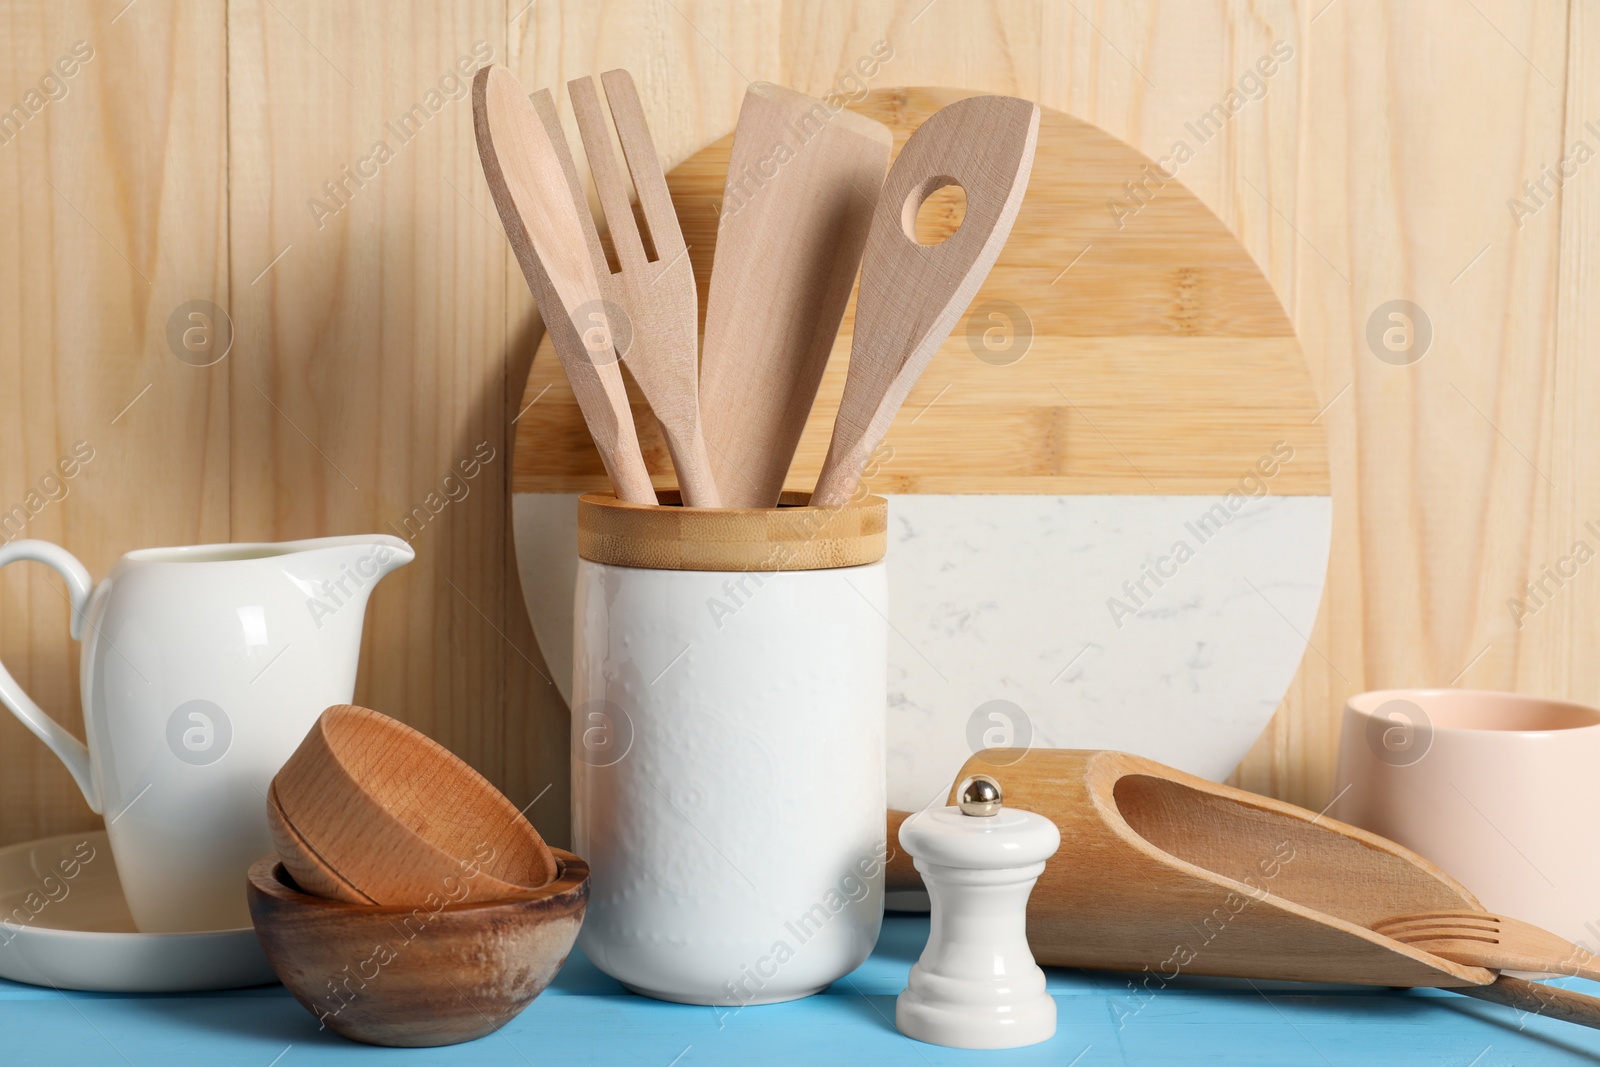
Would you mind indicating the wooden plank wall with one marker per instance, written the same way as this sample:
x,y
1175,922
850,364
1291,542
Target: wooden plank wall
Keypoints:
x,y
382,334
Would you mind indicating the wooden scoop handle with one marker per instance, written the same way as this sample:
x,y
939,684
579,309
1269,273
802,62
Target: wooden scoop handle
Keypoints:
x,y
900,873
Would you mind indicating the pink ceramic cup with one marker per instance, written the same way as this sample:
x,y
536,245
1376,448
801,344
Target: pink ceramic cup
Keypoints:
x,y
1497,789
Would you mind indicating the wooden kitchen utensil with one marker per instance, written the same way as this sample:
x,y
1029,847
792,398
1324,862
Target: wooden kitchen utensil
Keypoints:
x,y
399,819
311,872
1158,862
1167,873
654,283
1481,939
1115,379
1537,999
912,294
417,976
543,220
802,184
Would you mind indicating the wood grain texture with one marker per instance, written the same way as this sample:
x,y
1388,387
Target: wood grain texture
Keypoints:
x,y
803,178
912,291
1441,464
396,817
1536,998
113,214
1375,164
1479,940
792,537
653,284
450,972
371,392
531,176
1168,368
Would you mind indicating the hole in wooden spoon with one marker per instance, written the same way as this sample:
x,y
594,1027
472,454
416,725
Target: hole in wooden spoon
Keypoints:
x,y
934,210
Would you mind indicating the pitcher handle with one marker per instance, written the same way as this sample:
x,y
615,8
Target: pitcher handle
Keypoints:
x,y
67,748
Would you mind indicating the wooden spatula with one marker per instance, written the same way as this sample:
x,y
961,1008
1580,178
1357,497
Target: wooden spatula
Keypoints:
x,y
912,294
802,184
1164,872
654,284
1482,939
544,224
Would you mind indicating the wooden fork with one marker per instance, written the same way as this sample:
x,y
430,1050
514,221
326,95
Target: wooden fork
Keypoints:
x,y
1482,939
654,286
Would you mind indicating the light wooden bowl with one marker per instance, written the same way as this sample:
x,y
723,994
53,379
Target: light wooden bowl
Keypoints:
x,y
309,870
417,976
368,810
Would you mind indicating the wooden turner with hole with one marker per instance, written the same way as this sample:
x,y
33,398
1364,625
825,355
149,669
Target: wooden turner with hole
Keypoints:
x,y
1167,873
912,294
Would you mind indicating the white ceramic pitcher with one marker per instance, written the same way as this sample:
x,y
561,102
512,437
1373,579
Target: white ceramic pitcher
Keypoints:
x,y
203,668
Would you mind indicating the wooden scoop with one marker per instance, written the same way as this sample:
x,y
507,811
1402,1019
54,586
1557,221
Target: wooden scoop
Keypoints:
x,y
912,294
535,190
802,184
368,810
1167,873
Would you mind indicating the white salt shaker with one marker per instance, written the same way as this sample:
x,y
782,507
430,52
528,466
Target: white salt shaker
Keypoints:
x,y
976,985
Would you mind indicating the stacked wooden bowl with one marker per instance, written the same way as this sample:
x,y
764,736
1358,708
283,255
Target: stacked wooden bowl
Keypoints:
x,y
409,902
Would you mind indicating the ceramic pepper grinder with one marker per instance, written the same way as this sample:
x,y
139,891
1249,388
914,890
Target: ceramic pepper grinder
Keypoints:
x,y
976,985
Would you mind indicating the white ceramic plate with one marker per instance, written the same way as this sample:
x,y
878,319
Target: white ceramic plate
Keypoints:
x,y
64,924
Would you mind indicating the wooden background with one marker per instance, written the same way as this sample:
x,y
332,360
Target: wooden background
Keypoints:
x,y
379,341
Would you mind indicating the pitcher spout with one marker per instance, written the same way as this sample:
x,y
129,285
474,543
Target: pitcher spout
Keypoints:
x,y
342,571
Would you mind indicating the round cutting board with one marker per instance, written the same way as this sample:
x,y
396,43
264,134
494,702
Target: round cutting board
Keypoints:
x,y
1109,514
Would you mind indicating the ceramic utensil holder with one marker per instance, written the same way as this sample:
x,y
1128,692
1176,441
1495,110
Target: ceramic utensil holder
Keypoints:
x,y
728,707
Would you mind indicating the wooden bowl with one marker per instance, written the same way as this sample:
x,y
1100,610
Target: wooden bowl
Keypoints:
x,y
432,974
368,810
307,868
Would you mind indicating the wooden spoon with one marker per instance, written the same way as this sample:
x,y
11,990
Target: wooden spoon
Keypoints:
x,y
802,184
544,214
400,820
912,294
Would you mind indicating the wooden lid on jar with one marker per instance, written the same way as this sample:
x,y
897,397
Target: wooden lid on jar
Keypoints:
x,y
790,537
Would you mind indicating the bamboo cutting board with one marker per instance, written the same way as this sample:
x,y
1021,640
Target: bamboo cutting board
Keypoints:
x,y
1109,512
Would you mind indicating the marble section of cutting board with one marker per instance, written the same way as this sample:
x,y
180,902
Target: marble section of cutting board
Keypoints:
x,y
1006,598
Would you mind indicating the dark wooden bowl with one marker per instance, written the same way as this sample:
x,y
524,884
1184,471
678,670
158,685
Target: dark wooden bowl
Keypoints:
x,y
437,973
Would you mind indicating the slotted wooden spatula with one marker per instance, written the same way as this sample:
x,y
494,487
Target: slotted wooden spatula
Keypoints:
x,y
802,184
1483,939
912,294
532,192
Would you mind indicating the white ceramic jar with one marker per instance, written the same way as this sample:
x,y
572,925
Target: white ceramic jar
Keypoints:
x,y
729,691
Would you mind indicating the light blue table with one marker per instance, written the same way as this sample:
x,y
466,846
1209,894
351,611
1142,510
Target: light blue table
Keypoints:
x,y
586,1018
